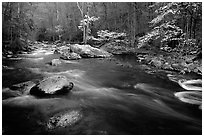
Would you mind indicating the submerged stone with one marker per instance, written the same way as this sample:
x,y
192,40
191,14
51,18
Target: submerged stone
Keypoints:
x,y
17,90
63,120
8,93
23,87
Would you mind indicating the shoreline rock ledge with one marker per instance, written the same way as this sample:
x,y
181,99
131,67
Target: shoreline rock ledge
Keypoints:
x,y
53,85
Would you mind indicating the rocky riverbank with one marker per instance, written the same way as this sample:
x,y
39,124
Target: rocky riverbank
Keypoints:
x,y
172,62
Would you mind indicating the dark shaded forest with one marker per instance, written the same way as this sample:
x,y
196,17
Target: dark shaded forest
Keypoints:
x,y
62,21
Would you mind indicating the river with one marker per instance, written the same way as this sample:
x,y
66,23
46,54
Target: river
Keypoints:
x,y
113,95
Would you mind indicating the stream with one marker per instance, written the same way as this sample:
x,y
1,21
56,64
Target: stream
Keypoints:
x,y
112,96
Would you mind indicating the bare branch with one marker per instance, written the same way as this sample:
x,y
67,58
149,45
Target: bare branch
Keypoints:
x,y
80,8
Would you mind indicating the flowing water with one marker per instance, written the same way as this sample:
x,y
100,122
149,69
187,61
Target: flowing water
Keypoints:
x,y
113,96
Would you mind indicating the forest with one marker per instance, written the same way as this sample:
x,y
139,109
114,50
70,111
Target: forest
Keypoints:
x,y
169,27
147,55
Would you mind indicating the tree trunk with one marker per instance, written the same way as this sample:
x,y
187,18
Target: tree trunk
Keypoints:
x,y
115,7
11,35
105,15
82,14
194,28
190,27
134,25
187,28
130,22
84,27
87,27
19,12
10,27
58,23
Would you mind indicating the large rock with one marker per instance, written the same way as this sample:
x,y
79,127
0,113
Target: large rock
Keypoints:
x,y
66,53
52,85
70,56
87,51
55,62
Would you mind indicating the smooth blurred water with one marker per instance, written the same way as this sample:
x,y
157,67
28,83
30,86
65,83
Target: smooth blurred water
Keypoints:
x,y
114,95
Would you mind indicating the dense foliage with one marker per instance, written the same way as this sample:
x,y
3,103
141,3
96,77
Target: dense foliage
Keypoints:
x,y
61,21
86,26
17,24
177,26
177,31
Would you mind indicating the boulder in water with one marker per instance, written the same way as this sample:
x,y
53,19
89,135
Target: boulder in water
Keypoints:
x,y
87,51
64,120
52,85
55,62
